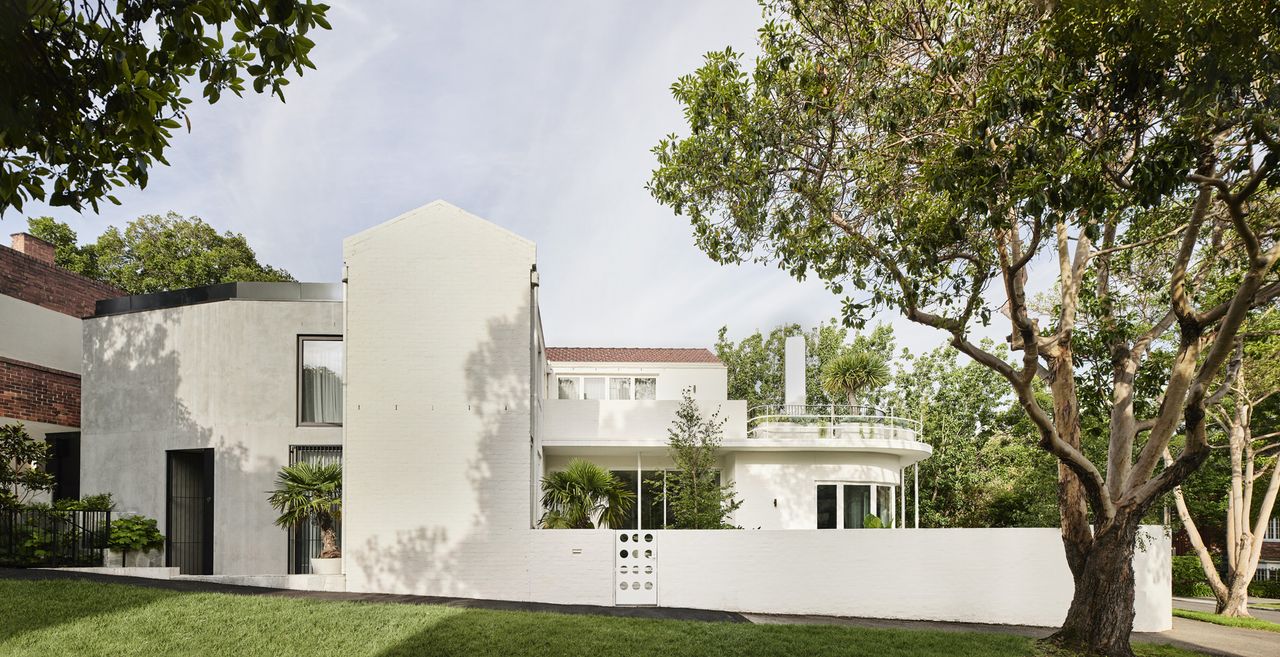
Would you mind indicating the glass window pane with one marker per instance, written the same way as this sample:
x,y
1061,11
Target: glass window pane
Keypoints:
x,y
321,382
568,388
857,504
826,506
651,503
647,388
884,505
619,388
628,479
593,387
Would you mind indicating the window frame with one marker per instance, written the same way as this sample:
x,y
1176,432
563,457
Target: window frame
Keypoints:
x,y
840,510
297,374
580,382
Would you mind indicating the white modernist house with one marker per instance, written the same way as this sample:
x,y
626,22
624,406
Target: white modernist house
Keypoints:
x,y
793,466
425,372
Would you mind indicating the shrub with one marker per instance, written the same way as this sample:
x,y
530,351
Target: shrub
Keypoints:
x,y
135,533
1265,589
1188,577
99,502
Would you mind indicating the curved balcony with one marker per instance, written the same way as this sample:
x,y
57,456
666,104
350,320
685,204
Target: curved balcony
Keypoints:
x,y
836,427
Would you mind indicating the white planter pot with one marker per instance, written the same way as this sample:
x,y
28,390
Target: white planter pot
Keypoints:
x,y
133,559
326,566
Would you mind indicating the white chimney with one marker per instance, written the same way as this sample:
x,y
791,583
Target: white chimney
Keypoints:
x,y
793,371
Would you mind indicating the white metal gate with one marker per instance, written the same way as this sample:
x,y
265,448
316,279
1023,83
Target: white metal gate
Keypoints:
x,y
635,573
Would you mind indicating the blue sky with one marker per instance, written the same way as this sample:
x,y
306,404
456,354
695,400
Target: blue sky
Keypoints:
x,y
537,116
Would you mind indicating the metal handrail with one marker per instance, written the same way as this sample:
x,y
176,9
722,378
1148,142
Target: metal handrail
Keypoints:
x,y
830,414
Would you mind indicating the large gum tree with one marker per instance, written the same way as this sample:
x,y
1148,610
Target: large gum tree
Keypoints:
x,y
949,159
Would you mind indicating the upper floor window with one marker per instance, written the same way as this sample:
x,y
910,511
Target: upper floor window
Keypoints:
x,y
610,387
1273,530
320,380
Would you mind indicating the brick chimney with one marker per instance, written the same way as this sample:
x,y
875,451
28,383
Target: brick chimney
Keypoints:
x,y
34,247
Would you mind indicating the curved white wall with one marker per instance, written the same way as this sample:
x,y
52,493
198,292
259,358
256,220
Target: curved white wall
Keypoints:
x,y
790,478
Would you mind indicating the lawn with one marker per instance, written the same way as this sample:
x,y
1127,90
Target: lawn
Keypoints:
x,y
1229,621
68,617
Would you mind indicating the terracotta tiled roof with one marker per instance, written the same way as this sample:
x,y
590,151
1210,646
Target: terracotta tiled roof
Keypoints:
x,y
629,355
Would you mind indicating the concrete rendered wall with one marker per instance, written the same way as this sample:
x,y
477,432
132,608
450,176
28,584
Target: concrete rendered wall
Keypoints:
x,y
790,478
438,434
34,334
1006,576
220,375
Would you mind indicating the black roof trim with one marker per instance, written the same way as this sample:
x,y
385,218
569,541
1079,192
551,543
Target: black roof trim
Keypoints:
x,y
220,292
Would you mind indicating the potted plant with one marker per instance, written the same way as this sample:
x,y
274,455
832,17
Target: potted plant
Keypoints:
x,y
136,536
307,491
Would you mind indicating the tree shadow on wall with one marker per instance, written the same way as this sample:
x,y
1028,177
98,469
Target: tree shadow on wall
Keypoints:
x,y
137,407
435,558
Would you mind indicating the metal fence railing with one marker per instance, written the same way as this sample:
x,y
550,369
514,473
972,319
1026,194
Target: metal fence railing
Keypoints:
x,y
304,540
45,537
824,417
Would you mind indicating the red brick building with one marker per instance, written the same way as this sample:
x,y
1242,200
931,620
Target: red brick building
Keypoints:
x,y
41,306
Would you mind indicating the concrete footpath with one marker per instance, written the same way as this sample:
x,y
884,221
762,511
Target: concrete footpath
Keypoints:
x,y
1187,634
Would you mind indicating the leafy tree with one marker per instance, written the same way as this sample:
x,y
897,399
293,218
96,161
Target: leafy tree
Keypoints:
x,y
984,471
583,494
94,89
155,253
309,491
698,499
926,155
755,364
1252,385
852,373
21,474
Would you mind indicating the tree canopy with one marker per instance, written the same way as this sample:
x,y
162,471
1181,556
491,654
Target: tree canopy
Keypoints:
x,y
155,253
931,157
94,89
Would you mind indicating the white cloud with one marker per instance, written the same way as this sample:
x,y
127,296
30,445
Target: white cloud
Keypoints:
x,y
538,116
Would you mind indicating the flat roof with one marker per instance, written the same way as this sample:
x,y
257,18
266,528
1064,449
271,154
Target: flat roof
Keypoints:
x,y
220,292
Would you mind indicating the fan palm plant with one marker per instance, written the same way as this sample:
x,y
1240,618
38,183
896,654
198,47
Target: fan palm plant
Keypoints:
x,y
307,491
852,373
583,494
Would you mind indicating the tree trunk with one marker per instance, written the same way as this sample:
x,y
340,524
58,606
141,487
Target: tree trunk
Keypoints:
x,y
1100,618
1237,602
328,539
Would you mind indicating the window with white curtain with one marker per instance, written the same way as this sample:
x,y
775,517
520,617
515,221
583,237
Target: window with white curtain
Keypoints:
x,y
593,387
320,380
599,386
620,387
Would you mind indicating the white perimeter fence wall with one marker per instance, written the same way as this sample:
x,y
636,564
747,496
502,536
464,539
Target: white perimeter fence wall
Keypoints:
x,y
1004,576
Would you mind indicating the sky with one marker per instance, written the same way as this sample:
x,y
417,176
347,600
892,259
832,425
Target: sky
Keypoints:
x,y
539,117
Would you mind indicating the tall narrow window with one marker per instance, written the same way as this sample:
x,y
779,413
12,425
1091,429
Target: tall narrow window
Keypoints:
x,y
857,505
320,380
646,388
568,387
827,506
884,505
619,388
593,387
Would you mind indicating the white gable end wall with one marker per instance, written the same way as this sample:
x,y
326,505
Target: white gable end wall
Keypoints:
x,y
437,449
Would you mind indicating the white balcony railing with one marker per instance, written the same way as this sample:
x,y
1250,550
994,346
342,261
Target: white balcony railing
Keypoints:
x,y
829,421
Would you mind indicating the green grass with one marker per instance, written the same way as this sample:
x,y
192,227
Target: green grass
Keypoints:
x,y
71,617
1229,621
1267,605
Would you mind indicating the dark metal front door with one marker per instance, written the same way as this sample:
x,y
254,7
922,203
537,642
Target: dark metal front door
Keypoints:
x,y
189,511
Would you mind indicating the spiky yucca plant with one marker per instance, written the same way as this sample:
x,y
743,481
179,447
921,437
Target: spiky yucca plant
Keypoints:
x,y
852,373
582,494
306,491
